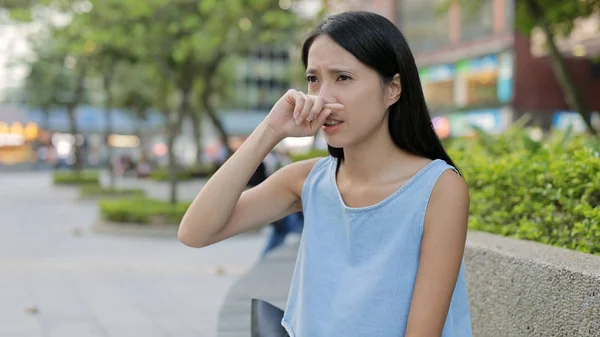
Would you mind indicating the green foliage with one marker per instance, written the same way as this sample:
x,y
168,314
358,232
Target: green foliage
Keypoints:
x,y
560,14
162,174
546,191
143,211
76,178
99,191
314,153
196,171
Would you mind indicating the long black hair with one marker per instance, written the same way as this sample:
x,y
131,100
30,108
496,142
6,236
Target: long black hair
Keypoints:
x,y
377,42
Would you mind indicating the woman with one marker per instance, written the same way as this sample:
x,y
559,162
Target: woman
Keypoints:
x,y
385,214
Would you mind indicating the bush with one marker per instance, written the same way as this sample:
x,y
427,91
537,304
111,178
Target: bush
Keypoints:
x,y
195,171
142,210
546,191
73,178
162,174
314,153
99,191
201,171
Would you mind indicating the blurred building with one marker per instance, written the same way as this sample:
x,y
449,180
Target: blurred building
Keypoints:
x,y
28,136
477,69
263,77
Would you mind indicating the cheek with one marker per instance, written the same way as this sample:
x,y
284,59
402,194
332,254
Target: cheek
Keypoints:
x,y
364,106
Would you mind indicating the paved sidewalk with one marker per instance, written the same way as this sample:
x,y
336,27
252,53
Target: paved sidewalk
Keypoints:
x,y
59,279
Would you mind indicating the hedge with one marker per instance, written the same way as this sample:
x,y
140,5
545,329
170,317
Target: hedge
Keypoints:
x,y
308,155
99,191
142,210
546,191
197,171
74,178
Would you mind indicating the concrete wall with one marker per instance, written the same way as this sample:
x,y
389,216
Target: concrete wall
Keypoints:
x,y
520,288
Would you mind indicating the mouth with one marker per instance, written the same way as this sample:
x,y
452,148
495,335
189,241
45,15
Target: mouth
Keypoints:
x,y
332,122
332,126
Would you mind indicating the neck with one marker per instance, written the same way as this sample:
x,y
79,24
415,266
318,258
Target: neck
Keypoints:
x,y
372,159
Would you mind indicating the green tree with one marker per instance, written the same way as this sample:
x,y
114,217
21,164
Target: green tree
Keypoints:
x,y
134,89
193,40
47,83
555,18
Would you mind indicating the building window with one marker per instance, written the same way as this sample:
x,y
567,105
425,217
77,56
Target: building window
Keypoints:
x,y
263,74
479,23
425,28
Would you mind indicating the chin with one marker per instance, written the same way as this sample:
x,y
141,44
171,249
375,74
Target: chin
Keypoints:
x,y
335,141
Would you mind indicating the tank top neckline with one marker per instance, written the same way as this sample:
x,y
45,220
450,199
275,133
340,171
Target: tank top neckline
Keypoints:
x,y
388,199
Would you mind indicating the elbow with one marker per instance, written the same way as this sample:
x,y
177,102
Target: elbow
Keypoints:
x,y
188,239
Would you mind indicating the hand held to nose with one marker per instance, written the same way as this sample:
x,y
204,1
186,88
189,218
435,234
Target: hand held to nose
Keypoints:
x,y
297,114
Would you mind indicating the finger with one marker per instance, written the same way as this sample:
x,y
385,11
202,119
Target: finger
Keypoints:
x,y
308,104
299,103
334,106
316,108
321,118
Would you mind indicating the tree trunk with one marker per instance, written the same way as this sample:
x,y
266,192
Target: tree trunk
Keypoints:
x,y
572,94
108,103
197,130
71,110
46,122
210,111
209,73
172,165
140,113
174,128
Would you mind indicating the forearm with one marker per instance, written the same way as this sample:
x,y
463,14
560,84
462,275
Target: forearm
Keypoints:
x,y
214,204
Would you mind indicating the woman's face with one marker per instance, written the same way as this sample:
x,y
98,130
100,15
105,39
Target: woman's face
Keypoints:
x,y
335,74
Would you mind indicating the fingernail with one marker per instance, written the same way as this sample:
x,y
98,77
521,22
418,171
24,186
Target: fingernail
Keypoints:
x,y
310,118
296,113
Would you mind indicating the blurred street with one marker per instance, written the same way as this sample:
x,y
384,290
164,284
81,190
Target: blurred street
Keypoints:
x,y
60,279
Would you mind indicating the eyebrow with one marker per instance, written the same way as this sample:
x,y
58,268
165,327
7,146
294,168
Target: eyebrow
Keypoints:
x,y
331,70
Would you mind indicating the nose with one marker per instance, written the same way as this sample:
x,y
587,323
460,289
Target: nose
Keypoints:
x,y
327,93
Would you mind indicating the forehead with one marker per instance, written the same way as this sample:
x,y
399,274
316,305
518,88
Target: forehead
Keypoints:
x,y
325,52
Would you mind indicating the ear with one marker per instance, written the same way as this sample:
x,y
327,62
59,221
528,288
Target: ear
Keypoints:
x,y
394,90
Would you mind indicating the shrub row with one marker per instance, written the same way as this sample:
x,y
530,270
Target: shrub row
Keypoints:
x,y
76,178
142,210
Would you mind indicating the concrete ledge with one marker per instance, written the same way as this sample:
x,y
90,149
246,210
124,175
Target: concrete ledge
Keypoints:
x,y
516,288
522,288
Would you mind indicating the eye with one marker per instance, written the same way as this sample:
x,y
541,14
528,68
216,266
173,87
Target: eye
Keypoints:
x,y
344,78
311,78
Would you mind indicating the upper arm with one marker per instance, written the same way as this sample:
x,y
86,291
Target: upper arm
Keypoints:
x,y
277,196
442,250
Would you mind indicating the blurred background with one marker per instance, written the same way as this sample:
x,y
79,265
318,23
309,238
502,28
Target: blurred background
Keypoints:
x,y
113,113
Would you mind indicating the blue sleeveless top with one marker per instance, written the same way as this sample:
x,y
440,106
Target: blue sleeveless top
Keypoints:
x,y
356,267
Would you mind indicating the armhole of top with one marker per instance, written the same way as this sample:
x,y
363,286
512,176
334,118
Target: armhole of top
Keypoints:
x,y
428,193
309,177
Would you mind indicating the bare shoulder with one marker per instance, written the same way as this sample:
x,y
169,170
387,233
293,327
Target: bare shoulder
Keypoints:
x,y
450,189
449,202
294,174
